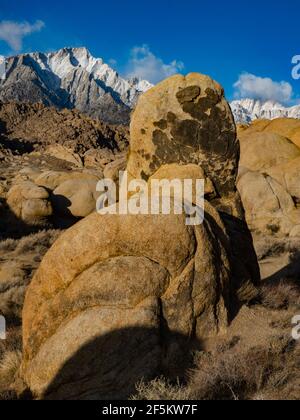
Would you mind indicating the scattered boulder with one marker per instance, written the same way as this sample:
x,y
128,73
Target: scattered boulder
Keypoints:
x,y
29,203
98,158
288,175
113,169
75,197
64,153
262,151
53,179
269,208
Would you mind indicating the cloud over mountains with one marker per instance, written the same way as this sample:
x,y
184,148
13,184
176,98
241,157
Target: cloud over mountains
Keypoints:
x,y
144,64
13,33
263,88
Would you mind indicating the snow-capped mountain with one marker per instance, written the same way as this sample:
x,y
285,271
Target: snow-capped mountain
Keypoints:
x,y
72,78
247,110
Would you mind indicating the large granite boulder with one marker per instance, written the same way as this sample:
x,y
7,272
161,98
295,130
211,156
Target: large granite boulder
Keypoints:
x,y
269,207
122,297
261,151
112,274
187,120
269,184
75,197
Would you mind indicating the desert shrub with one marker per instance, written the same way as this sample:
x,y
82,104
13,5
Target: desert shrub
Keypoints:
x,y
9,365
39,242
12,343
10,360
19,260
281,295
233,373
8,245
255,373
230,376
161,389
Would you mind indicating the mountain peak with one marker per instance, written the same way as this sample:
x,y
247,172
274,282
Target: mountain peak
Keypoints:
x,y
247,110
72,78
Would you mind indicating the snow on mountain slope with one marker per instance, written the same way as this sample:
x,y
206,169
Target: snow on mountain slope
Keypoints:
x,y
72,78
247,110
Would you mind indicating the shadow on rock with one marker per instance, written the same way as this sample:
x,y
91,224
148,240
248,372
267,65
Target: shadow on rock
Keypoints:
x,y
110,366
290,272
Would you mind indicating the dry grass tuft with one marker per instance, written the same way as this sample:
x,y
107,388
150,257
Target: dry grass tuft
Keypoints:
x,y
19,259
10,360
9,365
282,295
259,373
161,389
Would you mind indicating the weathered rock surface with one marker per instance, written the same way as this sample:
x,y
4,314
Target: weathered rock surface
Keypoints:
x,y
288,175
185,120
75,197
261,151
269,207
114,273
128,294
64,153
269,186
286,127
29,202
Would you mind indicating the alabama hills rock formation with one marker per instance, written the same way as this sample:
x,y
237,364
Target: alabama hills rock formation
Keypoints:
x,y
178,283
269,184
51,162
71,78
129,297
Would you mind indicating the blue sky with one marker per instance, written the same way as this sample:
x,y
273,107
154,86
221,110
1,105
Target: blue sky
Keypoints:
x,y
156,38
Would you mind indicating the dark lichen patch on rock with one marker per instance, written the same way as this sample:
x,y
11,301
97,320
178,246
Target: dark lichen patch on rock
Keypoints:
x,y
162,124
186,132
168,150
203,134
212,135
144,176
188,94
200,108
171,117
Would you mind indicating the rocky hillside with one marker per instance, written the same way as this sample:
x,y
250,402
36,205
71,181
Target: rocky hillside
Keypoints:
x,y
43,144
71,78
25,128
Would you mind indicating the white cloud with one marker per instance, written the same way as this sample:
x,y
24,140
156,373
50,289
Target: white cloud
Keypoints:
x,y
14,32
263,88
145,65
